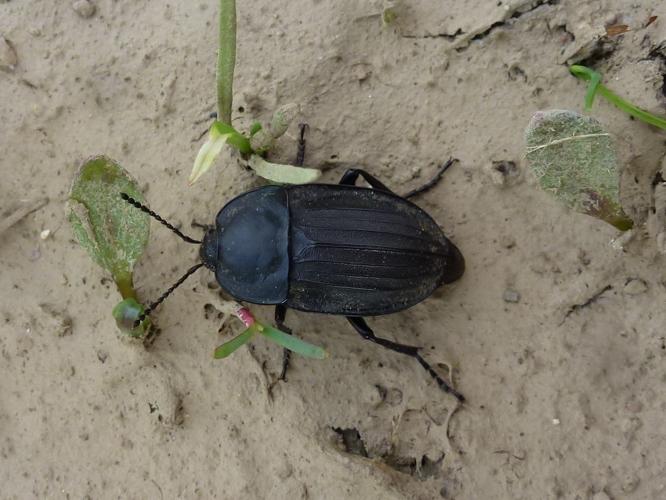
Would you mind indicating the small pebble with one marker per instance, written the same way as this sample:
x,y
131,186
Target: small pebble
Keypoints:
x,y
511,296
84,8
8,57
630,484
556,421
634,406
45,234
507,241
35,254
393,396
504,172
635,286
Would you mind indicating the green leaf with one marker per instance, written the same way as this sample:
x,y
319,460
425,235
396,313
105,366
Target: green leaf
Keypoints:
x,y
126,313
254,128
228,347
112,231
218,135
574,159
236,139
293,343
207,154
389,16
283,174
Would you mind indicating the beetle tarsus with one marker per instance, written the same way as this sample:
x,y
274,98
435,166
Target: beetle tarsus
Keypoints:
x,y
280,313
432,182
366,332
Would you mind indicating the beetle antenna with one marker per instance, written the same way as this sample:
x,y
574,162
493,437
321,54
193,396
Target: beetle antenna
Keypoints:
x,y
159,219
153,305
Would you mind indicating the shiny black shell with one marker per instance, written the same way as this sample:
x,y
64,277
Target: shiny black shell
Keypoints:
x,y
329,248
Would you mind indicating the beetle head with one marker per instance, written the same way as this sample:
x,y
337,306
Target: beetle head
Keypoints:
x,y
208,252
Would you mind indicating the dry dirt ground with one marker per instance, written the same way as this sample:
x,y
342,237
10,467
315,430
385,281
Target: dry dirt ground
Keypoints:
x,y
565,387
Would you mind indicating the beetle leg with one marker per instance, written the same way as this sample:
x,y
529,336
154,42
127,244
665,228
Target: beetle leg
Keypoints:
x,y
432,182
300,153
350,177
366,332
280,313
211,116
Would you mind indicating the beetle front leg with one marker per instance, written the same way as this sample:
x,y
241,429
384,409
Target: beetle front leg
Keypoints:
x,y
280,313
366,332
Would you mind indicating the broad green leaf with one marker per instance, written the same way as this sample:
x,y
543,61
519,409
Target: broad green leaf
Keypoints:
x,y
283,174
112,231
228,347
126,313
293,343
574,159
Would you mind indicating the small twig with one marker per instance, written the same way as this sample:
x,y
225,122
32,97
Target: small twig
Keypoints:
x,y
587,303
26,208
447,425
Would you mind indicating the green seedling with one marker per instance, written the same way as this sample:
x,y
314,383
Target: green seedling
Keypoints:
x,y
574,159
285,340
260,139
113,233
596,87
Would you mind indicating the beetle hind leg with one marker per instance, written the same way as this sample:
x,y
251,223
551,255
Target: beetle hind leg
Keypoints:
x,y
432,182
280,313
366,332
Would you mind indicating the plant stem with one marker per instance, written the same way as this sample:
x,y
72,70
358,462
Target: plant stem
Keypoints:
x,y
595,86
125,286
629,108
226,59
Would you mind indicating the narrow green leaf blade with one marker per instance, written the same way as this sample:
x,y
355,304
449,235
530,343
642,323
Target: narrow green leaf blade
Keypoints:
x,y
293,343
207,153
229,347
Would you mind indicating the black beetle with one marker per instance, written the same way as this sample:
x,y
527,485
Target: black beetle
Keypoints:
x,y
327,248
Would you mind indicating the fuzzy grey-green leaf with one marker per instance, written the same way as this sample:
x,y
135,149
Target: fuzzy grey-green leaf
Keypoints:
x,y
574,159
112,231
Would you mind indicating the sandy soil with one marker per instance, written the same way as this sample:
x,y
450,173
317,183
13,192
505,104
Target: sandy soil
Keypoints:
x,y
565,387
